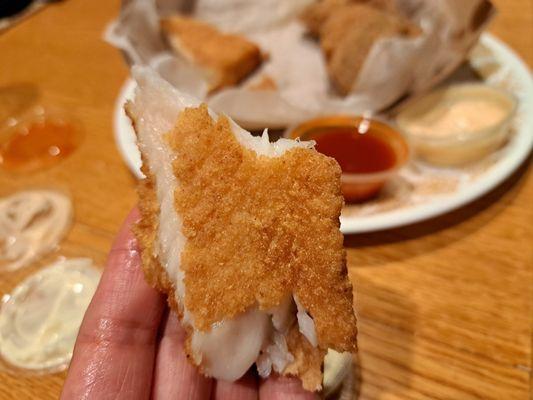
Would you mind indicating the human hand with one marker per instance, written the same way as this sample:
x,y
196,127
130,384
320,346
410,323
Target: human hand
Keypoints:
x,y
130,347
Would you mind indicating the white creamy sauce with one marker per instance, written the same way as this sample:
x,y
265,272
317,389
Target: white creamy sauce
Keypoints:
x,y
39,321
231,347
461,116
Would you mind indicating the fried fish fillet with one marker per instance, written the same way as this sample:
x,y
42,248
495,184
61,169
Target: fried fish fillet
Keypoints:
x,y
316,14
347,31
226,59
243,237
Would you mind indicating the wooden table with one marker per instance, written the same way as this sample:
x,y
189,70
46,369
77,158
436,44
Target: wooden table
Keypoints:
x,y
445,307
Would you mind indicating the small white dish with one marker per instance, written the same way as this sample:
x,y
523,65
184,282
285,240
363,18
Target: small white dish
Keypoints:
x,y
436,123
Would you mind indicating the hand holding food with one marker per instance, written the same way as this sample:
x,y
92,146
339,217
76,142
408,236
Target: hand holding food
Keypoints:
x,y
243,237
122,353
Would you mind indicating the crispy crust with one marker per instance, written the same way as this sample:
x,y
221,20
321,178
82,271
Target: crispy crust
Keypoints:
x,y
317,13
348,29
356,27
308,360
145,232
265,83
259,229
227,59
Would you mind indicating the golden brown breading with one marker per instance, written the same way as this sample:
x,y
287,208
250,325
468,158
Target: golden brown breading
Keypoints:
x,y
270,243
308,360
356,27
259,229
317,13
146,231
348,30
265,83
226,59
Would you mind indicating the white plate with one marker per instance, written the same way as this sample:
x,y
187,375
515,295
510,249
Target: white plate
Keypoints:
x,y
508,71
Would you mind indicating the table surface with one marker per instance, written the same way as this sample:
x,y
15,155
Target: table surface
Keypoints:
x,y
445,307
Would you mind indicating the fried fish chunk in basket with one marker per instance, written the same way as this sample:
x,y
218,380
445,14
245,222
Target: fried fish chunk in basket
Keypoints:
x,y
347,30
225,59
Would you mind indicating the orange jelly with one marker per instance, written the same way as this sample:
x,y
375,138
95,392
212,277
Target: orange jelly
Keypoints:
x,y
38,144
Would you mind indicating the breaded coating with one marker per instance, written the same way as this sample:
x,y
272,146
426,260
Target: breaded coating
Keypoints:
x,y
317,13
347,32
265,83
307,364
259,228
225,58
145,231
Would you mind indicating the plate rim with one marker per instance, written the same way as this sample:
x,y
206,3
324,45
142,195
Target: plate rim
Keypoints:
x,y
399,217
499,173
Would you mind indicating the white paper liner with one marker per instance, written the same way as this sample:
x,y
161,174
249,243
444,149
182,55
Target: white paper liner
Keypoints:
x,y
394,67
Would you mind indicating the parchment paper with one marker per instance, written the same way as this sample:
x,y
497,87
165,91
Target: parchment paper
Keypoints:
x,y
395,67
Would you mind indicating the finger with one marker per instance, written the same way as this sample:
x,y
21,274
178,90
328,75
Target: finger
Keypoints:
x,y
174,376
115,350
243,389
283,388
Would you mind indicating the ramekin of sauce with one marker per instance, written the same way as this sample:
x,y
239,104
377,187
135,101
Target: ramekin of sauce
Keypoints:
x,y
458,124
369,152
37,139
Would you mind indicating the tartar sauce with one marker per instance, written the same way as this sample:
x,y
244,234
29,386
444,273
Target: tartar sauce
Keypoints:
x,y
459,116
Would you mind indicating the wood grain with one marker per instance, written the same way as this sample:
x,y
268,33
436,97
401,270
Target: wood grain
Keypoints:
x,y
445,307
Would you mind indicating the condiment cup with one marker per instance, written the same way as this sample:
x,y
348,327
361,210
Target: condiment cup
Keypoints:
x,y
466,146
358,187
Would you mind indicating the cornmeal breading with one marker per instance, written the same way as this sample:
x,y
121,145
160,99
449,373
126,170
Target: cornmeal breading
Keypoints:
x,y
226,59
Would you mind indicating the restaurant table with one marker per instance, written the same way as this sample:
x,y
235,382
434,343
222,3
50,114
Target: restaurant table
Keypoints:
x,y
445,307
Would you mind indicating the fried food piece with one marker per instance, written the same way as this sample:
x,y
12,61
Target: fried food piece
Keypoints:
x,y
348,36
243,237
226,59
316,14
264,83
347,31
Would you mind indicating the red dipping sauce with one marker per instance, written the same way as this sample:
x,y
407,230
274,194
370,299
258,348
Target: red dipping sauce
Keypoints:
x,y
356,152
369,152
